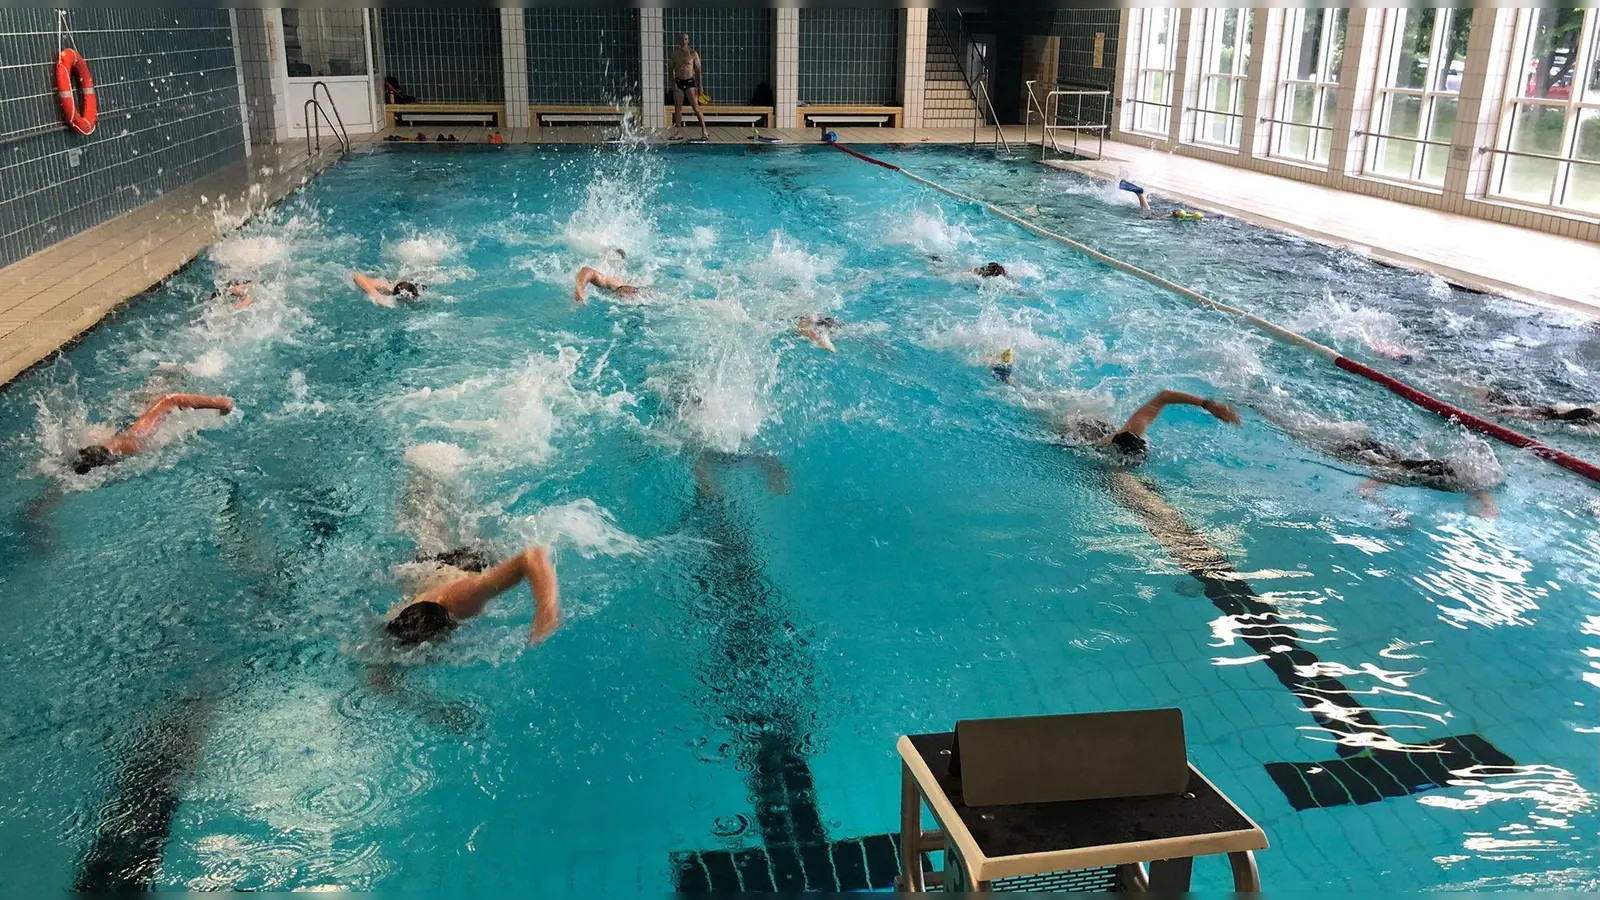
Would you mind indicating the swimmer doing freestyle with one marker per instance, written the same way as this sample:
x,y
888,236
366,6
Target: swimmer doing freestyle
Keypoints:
x,y
1129,441
458,584
589,275
136,437
385,293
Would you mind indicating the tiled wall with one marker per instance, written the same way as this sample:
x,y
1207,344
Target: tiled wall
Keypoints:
x,y
169,113
848,55
261,89
1077,29
445,55
582,56
735,44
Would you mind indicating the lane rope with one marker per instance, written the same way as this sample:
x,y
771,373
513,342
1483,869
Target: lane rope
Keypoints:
x,y
1446,411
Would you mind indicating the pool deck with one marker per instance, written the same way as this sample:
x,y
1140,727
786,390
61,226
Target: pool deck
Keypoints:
x,y
50,298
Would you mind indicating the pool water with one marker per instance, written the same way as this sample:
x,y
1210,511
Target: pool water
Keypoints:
x,y
774,560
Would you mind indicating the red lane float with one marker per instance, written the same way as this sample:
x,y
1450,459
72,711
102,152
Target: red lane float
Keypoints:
x,y
68,64
1397,387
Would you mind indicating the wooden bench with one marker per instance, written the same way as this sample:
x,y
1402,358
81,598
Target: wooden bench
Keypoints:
x,y
838,114
755,116
560,114
404,115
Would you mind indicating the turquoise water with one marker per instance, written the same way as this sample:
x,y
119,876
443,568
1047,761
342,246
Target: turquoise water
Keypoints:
x,y
881,541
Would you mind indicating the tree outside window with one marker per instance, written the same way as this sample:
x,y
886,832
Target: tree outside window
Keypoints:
x,y
1550,131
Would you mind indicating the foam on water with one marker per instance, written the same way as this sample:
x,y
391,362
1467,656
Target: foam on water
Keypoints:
x,y
584,526
1347,320
930,232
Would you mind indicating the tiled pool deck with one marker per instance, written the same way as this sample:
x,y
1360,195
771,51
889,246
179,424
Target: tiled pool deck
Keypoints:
x,y
51,297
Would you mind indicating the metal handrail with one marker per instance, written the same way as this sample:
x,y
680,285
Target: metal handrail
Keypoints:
x,y
1050,114
314,127
977,115
344,136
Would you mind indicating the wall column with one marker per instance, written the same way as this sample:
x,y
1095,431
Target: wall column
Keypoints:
x,y
1184,91
786,66
653,66
913,64
1358,77
514,60
1126,84
266,74
1489,47
1261,82
238,71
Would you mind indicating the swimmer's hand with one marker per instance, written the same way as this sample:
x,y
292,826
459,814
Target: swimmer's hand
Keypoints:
x,y
1221,411
225,407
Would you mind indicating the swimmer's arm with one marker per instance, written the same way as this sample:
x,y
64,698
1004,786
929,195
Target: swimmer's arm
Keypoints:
x,y
1145,415
1487,508
806,330
375,288
467,597
1144,202
585,275
158,410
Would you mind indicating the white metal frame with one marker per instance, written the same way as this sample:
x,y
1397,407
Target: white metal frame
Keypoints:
x,y
1324,77
1138,100
1212,32
1574,105
1376,141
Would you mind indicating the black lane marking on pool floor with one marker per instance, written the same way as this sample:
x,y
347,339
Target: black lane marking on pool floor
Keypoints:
x,y
1357,774
758,669
131,836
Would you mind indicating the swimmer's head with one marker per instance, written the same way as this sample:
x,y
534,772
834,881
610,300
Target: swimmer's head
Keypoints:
x,y
407,290
1008,357
421,622
990,270
93,457
1131,445
1439,474
1405,359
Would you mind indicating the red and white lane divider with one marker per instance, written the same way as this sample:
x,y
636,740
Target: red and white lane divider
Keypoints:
x,y
1428,402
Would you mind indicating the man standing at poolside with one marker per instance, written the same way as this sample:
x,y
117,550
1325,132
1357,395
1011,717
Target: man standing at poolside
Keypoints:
x,y
686,71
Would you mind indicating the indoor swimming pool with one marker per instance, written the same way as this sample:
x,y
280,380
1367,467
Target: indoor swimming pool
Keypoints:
x,y
774,560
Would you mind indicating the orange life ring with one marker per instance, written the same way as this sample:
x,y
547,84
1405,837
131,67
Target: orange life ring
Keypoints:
x,y
69,63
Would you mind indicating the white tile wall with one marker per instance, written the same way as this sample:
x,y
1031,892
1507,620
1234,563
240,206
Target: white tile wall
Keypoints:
x,y
514,58
653,67
786,66
914,42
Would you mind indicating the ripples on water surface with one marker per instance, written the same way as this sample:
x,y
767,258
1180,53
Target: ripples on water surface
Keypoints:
x,y
876,542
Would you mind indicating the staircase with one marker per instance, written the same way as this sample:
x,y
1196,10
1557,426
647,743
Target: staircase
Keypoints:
x,y
946,102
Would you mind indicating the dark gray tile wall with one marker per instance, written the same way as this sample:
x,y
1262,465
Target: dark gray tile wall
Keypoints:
x,y
169,114
735,45
582,56
1077,28
849,56
445,55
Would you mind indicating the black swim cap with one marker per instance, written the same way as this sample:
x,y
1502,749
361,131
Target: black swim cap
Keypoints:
x,y
1130,444
420,622
1578,414
410,288
990,270
93,457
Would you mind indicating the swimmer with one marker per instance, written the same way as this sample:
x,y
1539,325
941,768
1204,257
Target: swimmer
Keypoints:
x,y
385,293
1405,356
1185,215
818,329
1137,191
1384,465
1005,367
458,584
990,270
1584,415
588,276
1129,440
135,438
239,291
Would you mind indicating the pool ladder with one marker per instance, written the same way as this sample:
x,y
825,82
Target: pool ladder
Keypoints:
x,y
1050,113
314,123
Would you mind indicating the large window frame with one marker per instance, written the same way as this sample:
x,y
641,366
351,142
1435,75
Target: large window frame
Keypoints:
x,y
325,43
1529,149
1150,108
1315,85
1419,83
1217,118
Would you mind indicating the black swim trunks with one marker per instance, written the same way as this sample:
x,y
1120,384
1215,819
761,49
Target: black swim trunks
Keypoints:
x,y
1003,372
467,559
686,84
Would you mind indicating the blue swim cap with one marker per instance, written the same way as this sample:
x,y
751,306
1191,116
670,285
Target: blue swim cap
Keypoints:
x,y
829,137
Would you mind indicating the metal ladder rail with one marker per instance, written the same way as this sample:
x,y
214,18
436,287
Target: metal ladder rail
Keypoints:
x,y
1053,102
314,123
1044,122
978,88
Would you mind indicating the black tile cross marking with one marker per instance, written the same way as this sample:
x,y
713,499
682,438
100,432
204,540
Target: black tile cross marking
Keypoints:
x,y
1358,774
760,684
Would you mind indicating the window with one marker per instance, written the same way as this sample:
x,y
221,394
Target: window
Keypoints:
x,y
1549,148
325,42
1414,116
1224,65
1308,84
1158,63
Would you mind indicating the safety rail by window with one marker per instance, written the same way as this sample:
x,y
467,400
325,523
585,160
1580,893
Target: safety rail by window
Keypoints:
x,y
1049,111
